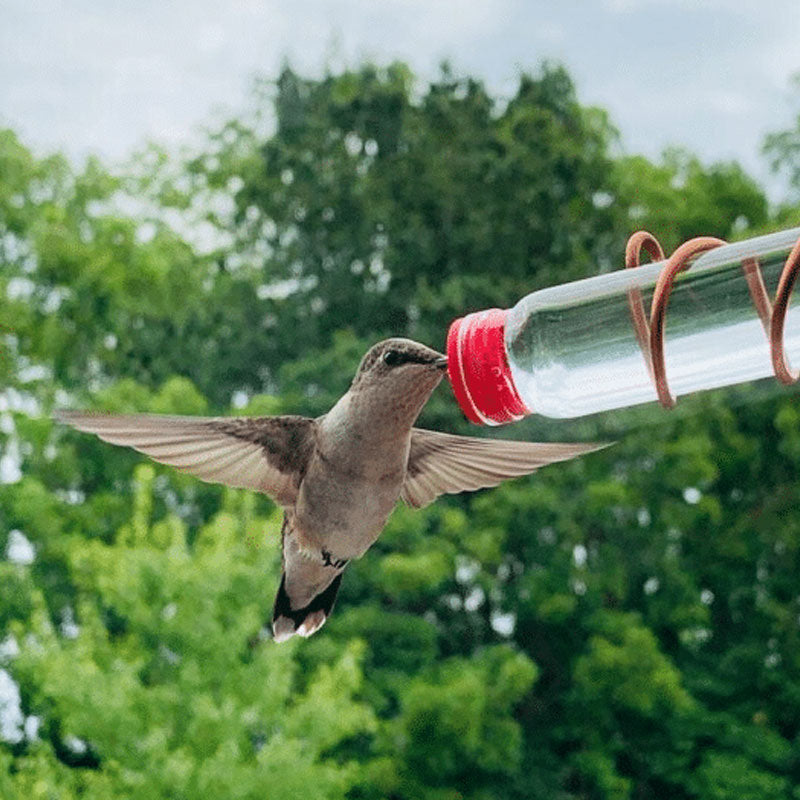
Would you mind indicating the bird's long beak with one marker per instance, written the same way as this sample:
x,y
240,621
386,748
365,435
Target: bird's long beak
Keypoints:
x,y
441,363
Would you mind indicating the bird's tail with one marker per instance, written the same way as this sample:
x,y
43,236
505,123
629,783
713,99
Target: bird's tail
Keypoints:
x,y
287,621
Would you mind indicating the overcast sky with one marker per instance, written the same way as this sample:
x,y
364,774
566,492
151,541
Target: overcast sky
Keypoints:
x,y
104,75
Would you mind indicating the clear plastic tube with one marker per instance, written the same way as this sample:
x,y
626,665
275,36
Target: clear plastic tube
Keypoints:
x,y
573,349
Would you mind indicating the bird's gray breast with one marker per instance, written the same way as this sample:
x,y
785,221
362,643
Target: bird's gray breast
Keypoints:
x,y
351,486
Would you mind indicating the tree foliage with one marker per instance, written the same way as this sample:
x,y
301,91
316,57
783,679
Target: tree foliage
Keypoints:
x,y
625,626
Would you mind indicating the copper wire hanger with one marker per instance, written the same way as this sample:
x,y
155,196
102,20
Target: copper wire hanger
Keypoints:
x,y
650,333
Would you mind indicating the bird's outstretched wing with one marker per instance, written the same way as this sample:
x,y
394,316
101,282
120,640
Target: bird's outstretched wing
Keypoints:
x,y
441,463
268,454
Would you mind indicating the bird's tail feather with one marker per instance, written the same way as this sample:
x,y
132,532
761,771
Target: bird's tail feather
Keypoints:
x,y
287,621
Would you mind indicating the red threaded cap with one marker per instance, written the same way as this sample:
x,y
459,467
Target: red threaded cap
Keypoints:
x,y
478,369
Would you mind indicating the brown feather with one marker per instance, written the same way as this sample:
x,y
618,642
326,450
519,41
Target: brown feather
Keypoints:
x,y
268,454
442,463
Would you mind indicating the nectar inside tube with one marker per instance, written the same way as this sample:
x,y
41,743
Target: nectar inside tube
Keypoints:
x,y
573,349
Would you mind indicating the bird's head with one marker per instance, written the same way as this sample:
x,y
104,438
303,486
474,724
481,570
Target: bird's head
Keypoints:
x,y
400,372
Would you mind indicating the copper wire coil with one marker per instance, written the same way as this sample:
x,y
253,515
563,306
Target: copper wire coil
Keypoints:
x,y
650,333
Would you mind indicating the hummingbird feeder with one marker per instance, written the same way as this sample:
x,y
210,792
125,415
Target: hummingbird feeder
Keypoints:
x,y
590,346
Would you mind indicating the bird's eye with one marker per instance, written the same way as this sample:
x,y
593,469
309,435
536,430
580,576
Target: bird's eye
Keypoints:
x,y
392,358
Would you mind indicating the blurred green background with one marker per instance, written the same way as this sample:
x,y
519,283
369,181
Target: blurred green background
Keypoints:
x,y
624,626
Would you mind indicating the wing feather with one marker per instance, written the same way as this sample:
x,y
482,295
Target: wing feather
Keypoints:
x,y
268,454
442,463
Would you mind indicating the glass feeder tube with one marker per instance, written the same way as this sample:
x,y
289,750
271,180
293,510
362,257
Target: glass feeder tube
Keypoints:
x,y
591,345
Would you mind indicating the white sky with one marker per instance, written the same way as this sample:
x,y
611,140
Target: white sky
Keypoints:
x,y
104,75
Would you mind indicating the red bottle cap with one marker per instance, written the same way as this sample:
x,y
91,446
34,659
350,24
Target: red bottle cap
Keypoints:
x,y
478,369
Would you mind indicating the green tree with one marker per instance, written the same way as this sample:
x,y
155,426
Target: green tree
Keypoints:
x,y
624,626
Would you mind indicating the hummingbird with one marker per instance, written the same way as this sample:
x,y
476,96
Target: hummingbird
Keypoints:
x,y
337,477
